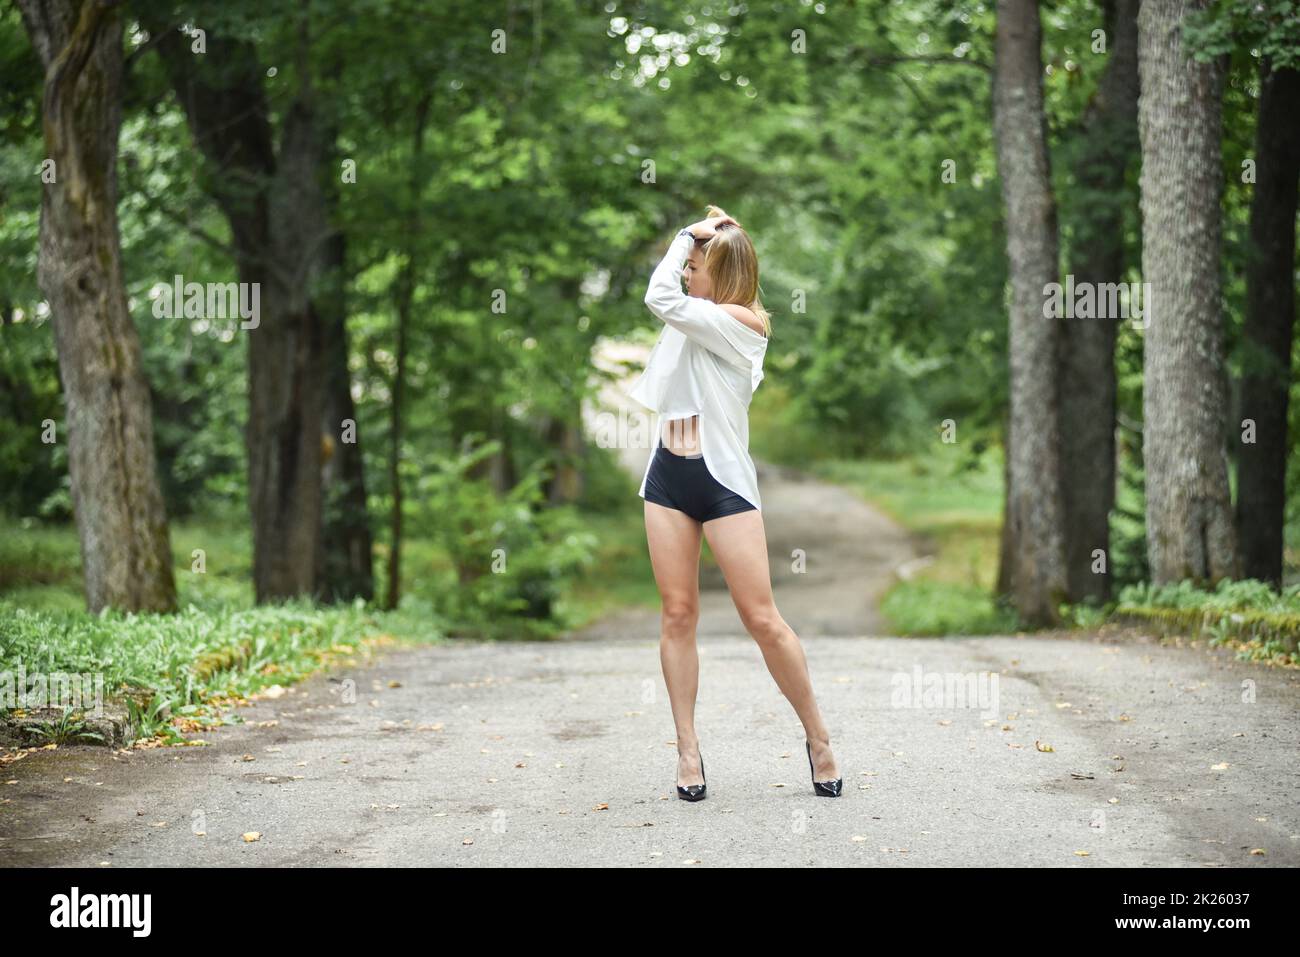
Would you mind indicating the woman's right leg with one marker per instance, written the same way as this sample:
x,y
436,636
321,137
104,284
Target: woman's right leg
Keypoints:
x,y
674,540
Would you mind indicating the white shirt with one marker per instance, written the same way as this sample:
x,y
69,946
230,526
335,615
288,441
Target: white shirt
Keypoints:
x,y
706,362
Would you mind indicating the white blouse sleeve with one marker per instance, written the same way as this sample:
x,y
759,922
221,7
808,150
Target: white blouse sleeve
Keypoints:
x,y
699,319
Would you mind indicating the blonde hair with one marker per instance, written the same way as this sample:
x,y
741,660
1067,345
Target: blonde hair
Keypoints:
x,y
732,264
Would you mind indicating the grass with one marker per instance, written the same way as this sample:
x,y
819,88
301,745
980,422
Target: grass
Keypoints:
x,y
1248,616
192,664
622,576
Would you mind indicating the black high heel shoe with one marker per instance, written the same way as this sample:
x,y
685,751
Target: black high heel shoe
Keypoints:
x,y
694,792
830,789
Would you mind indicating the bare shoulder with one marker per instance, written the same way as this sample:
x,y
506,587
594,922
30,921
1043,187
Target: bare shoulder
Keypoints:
x,y
745,315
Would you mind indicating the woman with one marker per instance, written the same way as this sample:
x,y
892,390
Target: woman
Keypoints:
x,y
700,377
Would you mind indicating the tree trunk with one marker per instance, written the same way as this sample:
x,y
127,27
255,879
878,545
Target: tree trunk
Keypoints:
x,y
405,294
121,519
567,447
1107,140
1034,509
286,371
1189,511
565,441
346,567
1006,546
277,215
1270,321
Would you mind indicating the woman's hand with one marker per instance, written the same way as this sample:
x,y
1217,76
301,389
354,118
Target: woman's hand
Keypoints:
x,y
708,228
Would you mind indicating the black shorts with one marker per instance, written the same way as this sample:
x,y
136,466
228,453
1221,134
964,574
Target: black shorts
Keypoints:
x,y
687,485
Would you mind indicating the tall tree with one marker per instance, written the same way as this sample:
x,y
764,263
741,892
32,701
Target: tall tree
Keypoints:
x,y
345,569
1189,510
404,295
121,519
1034,510
1269,325
1105,141
278,210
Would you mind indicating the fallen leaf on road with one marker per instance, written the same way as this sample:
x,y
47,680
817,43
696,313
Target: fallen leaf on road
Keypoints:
x,y
601,807
1043,747
251,836
1219,767
1083,854
1258,852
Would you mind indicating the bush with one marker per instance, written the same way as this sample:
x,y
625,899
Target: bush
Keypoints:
x,y
1268,622
510,556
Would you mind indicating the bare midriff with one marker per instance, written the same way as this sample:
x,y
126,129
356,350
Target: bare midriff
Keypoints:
x,y
682,436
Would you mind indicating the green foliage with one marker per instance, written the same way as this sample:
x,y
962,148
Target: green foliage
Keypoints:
x,y
69,728
1270,26
151,719
1263,622
870,390
189,663
510,559
1128,527
1228,596
945,608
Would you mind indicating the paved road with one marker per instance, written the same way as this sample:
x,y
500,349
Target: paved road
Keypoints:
x,y
561,753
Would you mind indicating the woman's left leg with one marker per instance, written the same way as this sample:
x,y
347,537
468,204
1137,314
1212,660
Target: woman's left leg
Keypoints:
x,y
739,543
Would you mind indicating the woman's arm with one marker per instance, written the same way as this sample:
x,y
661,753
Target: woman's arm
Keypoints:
x,y
699,319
